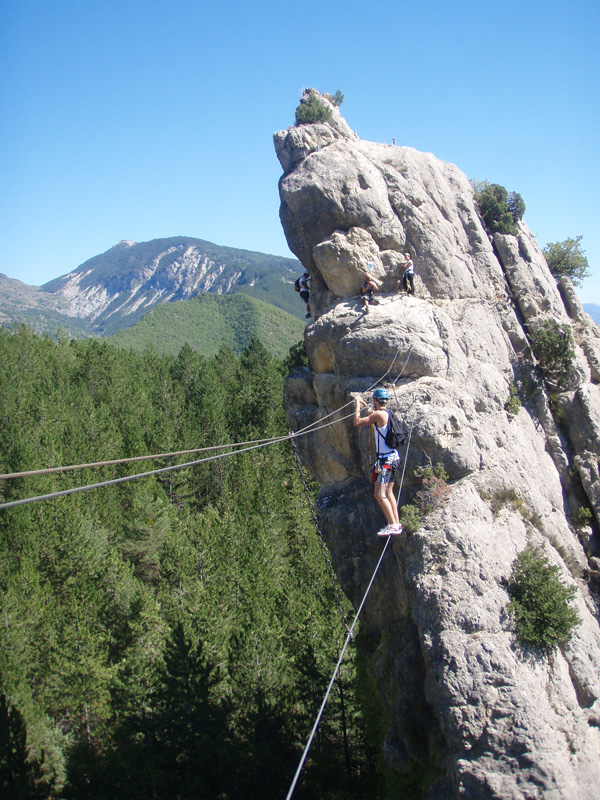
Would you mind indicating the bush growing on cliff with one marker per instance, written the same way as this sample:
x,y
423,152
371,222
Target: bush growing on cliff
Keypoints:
x,y
540,601
499,209
567,258
552,345
410,517
435,490
311,110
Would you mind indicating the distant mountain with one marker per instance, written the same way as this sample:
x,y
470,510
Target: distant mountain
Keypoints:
x,y
210,321
20,303
593,310
115,289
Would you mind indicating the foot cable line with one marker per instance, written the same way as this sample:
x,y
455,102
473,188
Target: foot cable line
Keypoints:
x,y
311,428
349,636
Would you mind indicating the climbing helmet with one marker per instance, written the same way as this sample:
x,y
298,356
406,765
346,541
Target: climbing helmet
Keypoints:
x,y
381,394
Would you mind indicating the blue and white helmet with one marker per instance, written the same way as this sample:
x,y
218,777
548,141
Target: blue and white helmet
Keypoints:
x,y
381,394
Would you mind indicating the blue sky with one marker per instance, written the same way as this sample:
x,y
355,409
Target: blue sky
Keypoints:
x,y
141,119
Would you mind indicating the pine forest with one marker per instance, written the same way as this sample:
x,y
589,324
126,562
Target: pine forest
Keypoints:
x,y
171,636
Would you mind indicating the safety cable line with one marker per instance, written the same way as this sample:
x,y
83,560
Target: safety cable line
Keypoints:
x,y
113,481
133,459
344,648
130,460
311,428
349,636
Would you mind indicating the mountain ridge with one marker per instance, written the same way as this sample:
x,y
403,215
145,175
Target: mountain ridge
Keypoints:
x,y
114,289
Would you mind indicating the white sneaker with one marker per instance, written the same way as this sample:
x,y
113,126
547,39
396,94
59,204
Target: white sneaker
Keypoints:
x,y
390,530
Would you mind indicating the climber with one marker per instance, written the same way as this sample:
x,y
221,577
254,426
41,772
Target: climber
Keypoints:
x,y
409,274
368,287
387,462
301,285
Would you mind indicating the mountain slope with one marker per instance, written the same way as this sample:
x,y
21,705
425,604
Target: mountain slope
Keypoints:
x,y
115,289
20,303
208,322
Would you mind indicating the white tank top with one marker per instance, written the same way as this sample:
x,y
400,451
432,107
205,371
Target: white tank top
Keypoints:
x,y
381,433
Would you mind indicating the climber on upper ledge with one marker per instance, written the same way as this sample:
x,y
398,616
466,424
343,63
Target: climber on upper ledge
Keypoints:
x,y
367,289
409,275
301,285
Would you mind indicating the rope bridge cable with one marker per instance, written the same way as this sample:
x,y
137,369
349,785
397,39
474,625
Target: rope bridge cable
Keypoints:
x,y
311,428
349,636
156,456
130,460
101,484
126,478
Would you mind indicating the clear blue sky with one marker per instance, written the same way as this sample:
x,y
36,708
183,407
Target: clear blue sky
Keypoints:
x,y
140,119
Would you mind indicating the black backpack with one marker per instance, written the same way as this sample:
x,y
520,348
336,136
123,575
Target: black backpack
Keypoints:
x,y
396,435
297,284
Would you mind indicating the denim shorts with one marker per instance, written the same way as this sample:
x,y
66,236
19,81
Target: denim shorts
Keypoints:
x,y
384,469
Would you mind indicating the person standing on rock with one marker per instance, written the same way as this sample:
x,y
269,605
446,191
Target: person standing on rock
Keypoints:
x,y
409,274
367,289
387,459
303,287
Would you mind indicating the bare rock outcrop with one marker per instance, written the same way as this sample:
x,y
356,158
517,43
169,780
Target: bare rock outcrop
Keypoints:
x,y
485,716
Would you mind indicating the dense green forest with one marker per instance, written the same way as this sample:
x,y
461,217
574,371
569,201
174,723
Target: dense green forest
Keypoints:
x,y
211,321
172,636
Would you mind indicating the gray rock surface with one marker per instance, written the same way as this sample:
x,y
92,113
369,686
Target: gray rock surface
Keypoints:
x,y
487,717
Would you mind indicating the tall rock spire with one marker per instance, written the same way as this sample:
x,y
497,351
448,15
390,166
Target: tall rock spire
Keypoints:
x,y
494,718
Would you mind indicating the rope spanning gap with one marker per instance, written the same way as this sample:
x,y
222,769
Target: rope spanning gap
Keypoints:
x,y
349,636
113,481
156,456
311,428
113,462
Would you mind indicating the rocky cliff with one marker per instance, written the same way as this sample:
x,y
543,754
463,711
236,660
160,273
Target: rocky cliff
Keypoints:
x,y
479,714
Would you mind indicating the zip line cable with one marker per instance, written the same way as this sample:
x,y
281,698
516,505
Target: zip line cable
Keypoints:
x,y
101,484
349,636
311,428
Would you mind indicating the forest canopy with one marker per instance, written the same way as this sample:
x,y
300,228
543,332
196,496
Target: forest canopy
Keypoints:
x,y
183,627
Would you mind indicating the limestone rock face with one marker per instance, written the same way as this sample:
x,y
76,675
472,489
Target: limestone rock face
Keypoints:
x,y
493,719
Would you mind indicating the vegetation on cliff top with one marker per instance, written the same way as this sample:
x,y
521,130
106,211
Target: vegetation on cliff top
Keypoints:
x,y
567,258
540,601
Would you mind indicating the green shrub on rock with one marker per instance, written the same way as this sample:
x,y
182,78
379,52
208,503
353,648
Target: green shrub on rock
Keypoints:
x,y
552,345
499,209
410,517
540,601
311,110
